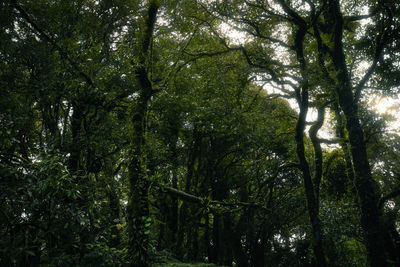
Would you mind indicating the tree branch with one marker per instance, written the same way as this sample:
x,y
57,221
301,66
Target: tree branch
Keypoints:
x,y
204,201
47,38
381,41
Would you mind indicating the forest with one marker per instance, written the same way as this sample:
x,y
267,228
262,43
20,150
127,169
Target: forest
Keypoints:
x,y
199,133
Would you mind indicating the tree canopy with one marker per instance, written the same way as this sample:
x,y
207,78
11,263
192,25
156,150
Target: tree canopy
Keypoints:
x,y
199,133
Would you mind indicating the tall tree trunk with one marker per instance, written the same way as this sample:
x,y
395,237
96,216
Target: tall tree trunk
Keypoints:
x,y
138,219
184,209
206,237
113,202
219,192
215,237
367,189
75,146
227,232
75,168
344,144
169,231
173,226
375,236
241,258
193,240
310,188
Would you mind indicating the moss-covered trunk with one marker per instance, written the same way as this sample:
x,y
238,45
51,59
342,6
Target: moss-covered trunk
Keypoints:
x,y
138,219
377,239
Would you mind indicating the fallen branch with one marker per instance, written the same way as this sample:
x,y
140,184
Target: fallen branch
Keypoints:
x,y
205,201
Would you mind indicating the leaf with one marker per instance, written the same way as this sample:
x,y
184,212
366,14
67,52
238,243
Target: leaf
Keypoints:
x,y
29,252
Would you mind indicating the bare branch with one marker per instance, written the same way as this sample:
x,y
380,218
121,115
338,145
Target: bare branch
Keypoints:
x,y
205,201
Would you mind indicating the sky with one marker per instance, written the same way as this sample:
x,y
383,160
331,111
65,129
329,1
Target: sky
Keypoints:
x,y
382,105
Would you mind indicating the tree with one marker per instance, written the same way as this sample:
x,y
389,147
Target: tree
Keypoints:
x,y
143,133
327,29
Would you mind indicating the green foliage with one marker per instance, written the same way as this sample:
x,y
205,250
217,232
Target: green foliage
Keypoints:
x,y
166,259
102,255
211,129
336,183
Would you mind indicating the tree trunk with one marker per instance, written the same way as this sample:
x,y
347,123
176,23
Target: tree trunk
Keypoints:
x,y
366,187
138,217
240,256
375,235
75,146
113,202
312,199
184,211
138,205
227,232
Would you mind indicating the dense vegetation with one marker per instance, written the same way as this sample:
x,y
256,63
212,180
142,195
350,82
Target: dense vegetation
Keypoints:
x,y
164,133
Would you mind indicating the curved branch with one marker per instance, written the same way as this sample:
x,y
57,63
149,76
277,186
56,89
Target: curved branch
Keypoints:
x,y
381,41
316,142
41,33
